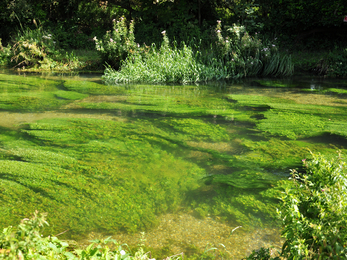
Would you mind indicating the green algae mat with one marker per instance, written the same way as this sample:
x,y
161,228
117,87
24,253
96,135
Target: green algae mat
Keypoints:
x,y
111,159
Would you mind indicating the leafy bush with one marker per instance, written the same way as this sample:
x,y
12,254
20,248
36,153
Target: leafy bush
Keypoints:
x,y
5,53
26,242
118,44
32,48
245,55
314,210
262,254
166,65
236,55
335,64
37,49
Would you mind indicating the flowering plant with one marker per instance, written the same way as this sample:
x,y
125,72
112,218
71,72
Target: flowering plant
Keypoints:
x,y
117,44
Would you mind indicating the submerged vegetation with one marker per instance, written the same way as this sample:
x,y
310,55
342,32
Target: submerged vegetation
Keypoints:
x,y
121,156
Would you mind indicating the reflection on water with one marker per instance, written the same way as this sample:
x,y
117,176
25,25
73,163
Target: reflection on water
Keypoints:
x,y
185,164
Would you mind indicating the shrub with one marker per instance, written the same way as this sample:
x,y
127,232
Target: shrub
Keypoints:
x,y
168,65
32,48
26,242
5,54
314,210
245,55
37,49
235,55
335,66
117,44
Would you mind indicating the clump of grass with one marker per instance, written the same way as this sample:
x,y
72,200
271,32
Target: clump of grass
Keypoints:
x,y
163,65
37,49
235,55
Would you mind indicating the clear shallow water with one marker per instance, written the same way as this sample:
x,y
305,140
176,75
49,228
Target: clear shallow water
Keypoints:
x,y
185,164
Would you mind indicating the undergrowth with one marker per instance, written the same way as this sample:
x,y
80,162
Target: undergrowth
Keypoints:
x,y
235,54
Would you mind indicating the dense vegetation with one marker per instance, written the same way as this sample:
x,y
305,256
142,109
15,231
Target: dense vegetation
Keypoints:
x,y
313,211
171,151
43,35
170,42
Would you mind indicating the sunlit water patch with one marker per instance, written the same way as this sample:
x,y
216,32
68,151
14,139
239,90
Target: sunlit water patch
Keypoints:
x,y
185,164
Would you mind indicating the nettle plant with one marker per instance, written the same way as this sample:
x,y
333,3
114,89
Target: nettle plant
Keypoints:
x,y
314,210
116,45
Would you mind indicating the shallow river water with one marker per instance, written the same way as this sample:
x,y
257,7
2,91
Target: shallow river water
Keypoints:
x,y
186,168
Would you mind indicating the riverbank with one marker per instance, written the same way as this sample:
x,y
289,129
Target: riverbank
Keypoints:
x,y
88,61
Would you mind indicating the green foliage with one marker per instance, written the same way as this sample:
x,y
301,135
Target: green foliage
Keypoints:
x,y
234,56
335,64
291,120
5,54
313,210
116,45
23,94
247,55
262,254
32,48
25,241
38,50
166,65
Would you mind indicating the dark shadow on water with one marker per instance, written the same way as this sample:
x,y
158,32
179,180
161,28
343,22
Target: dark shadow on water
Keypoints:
x,y
334,140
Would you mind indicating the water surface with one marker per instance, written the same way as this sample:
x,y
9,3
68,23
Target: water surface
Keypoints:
x,y
185,164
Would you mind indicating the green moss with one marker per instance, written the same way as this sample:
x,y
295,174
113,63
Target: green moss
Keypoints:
x,y
248,208
273,83
303,121
88,87
197,130
283,117
69,95
169,100
337,91
16,83
155,155
33,94
102,168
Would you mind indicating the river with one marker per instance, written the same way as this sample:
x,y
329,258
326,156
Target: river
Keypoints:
x,y
182,168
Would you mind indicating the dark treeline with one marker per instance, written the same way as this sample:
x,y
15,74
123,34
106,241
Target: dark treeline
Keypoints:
x,y
75,22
